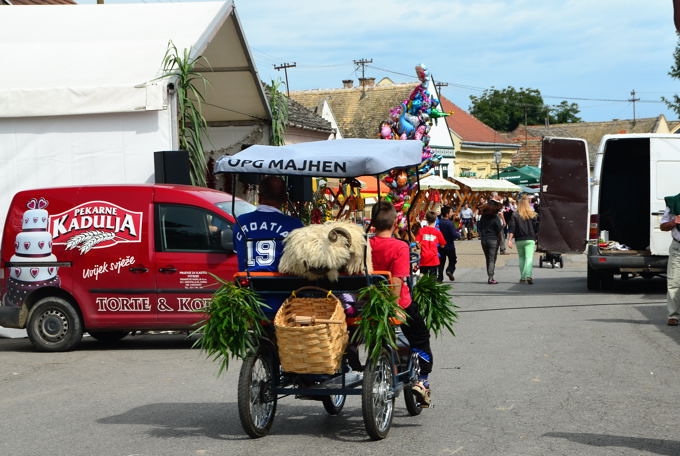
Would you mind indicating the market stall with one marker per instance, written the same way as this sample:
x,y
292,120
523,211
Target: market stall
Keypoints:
x,y
434,192
473,190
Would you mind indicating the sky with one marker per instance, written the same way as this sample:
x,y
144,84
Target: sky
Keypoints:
x,y
592,53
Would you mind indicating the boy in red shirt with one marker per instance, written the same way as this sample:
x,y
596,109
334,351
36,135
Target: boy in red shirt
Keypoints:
x,y
430,240
393,255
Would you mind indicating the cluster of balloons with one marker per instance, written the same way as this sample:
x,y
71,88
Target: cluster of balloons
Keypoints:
x,y
412,120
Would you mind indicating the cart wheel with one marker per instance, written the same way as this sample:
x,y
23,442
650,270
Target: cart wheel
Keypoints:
x,y
256,398
412,405
377,396
334,403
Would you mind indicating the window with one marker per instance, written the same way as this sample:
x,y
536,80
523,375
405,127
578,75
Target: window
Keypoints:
x,y
189,229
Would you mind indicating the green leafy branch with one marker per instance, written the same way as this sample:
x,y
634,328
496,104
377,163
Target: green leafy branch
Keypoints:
x,y
233,327
434,304
377,317
278,104
192,123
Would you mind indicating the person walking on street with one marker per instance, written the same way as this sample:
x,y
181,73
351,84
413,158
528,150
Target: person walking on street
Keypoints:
x,y
502,246
670,221
523,228
490,230
447,253
467,217
430,239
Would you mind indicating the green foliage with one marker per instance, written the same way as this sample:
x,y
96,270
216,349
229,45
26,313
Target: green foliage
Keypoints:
x,y
192,124
565,113
674,103
505,110
376,318
233,326
434,304
278,104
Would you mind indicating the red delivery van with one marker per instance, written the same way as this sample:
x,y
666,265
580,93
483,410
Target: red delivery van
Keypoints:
x,y
112,259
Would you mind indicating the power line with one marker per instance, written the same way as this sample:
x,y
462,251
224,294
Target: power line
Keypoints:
x,y
367,63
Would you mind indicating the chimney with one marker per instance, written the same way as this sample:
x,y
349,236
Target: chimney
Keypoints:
x,y
347,83
366,82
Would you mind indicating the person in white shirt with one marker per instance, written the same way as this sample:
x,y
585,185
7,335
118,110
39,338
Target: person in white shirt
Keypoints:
x,y
670,221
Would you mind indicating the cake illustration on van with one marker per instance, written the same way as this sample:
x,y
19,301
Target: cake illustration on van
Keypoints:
x,y
32,245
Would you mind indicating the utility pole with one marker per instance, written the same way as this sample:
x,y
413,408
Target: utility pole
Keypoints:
x,y
362,63
633,99
438,85
285,67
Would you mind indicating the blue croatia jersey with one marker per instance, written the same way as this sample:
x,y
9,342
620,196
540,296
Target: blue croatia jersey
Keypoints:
x,y
258,238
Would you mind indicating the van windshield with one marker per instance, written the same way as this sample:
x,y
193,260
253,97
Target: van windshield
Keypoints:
x,y
240,207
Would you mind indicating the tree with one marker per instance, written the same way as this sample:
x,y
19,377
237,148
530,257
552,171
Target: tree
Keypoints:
x,y
674,104
505,110
278,104
565,113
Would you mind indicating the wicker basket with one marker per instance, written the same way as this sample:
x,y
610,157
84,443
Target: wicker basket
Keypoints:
x,y
316,345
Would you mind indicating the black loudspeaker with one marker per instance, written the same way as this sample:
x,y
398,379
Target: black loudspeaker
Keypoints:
x,y
300,188
172,167
250,179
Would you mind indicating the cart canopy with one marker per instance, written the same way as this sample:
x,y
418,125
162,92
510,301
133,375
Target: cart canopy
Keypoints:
x,y
334,158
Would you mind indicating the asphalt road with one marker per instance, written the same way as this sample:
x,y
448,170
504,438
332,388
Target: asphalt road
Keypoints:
x,y
543,369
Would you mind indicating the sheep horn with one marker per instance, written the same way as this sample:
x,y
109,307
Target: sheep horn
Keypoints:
x,y
333,235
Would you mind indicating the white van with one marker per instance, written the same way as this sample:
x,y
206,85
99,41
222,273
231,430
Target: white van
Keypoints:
x,y
632,175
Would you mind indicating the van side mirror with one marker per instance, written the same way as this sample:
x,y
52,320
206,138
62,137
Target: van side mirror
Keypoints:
x,y
227,239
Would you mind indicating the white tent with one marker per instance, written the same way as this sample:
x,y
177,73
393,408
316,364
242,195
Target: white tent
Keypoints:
x,y
437,182
482,185
94,59
82,100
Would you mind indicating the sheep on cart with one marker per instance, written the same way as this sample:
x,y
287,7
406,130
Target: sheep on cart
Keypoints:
x,y
320,263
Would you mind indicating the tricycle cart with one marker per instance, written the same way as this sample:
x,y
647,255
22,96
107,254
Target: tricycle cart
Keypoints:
x,y
262,379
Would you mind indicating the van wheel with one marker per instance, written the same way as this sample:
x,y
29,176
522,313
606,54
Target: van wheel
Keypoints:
x,y
593,279
54,325
108,337
607,280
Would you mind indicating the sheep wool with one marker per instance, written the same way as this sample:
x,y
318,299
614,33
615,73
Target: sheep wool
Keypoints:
x,y
326,250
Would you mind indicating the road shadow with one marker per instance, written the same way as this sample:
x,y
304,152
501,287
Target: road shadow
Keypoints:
x,y
220,421
656,446
136,342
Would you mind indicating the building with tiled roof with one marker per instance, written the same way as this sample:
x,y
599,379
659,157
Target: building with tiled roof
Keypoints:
x,y
476,144
306,125
359,110
467,144
530,137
